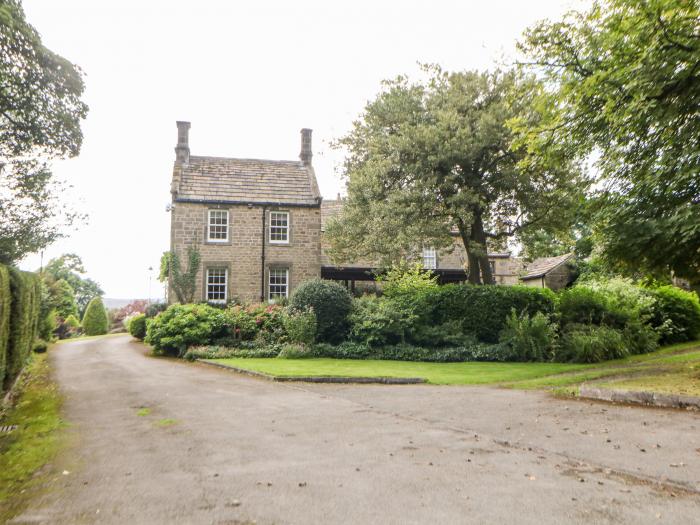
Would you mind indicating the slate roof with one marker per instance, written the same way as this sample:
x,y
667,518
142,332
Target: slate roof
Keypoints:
x,y
544,265
223,180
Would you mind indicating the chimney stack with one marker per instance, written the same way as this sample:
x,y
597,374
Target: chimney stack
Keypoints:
x,y
182,150
306,153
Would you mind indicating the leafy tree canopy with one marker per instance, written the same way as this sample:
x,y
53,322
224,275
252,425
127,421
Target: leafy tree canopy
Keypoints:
x,y
40,114
626,75
69,268
430,158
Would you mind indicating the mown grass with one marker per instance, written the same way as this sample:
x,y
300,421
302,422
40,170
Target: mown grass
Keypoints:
x,y
674,369
436,373
35,442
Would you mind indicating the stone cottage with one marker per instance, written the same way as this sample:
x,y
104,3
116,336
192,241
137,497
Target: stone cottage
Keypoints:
x,y
258,225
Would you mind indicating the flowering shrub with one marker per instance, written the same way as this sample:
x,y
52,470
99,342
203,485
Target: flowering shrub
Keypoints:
x,y
184,325
257,321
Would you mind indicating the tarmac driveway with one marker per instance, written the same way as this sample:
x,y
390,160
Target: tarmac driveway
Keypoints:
x,y
210,446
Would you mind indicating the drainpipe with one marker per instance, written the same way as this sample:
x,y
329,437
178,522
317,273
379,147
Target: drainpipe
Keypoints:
x,y
262,258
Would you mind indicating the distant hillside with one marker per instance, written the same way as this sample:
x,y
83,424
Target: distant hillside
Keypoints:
x,y
111,302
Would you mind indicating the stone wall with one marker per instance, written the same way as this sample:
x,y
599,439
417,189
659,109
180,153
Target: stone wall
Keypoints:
x,y
242,253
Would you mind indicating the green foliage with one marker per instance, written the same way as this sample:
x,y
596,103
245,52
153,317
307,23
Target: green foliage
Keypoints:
x,y
301,326
40,346
47,325
591,344
5,316
40,114
24,321
439,154
69,268
62,298
183,281
95,320
531,338
406,352
676,314
628,91
184,325
403,280
137,326
583,305
222,352
482,310
72,322
154,309
331,303
378,321
262,322
640,338
294,351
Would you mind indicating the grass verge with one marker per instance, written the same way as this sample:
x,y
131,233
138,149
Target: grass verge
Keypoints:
x,y
436,373
672,369
35,442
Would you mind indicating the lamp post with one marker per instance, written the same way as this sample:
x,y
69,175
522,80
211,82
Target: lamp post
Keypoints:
x,y
150,277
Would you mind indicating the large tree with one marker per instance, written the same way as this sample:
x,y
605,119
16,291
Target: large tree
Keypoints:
x,y
626,79
40,114
69,268
439,156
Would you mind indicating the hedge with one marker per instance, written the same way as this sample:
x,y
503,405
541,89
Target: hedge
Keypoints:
x,y
5,302
23,321
676,314
482,310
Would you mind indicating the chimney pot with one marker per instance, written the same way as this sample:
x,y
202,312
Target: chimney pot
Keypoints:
x,y
306,153
182,150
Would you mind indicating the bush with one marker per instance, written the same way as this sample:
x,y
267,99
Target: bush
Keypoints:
x,y
184,325
24,321
640,338
264,322
40,346
294,351
222,352
331,303
481,310
154,309
591,344
583,305
530,338
301,326
676,314
137,326
406,352
95,320
378,321
5,305
69,327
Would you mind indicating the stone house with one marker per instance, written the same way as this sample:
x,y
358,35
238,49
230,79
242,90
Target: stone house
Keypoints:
x,y
549,272
258,225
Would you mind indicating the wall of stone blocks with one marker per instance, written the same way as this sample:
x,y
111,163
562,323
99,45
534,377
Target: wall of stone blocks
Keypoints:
x,y
242,253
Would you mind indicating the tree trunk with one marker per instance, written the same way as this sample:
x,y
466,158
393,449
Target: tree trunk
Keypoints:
x,y
473,274
480,239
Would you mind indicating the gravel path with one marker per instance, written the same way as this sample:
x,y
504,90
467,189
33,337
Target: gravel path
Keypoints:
x,y
163,441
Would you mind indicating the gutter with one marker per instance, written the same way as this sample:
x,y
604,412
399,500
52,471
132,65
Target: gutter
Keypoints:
x,y
262,257
316,204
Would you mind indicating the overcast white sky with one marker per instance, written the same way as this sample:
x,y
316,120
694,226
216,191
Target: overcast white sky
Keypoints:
x,y
248,75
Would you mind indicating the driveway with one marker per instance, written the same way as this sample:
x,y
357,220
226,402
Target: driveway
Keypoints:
x,y
214,447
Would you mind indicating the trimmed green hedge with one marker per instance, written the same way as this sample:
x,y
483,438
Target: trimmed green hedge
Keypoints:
x,y
482,310
330,301
5,302
95,320
137,326
23,323
676,314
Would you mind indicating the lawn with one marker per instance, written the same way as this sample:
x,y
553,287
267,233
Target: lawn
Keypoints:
x,y
436,373
673,369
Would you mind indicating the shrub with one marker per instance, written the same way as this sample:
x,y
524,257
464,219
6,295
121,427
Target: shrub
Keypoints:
x,y
301,326
137,326
378,321
531,338
40,346
676,314
583,305
5,302
407,352
294,351
331,303
481,310
69,327
591,344
640,338
222,352
95,320
184,325
154,309
449,333
408,281
24,321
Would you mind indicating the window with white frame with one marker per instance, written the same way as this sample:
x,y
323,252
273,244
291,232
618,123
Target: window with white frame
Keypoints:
x,y
279,227
492,265
429,258
218,226
278,286
217,280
